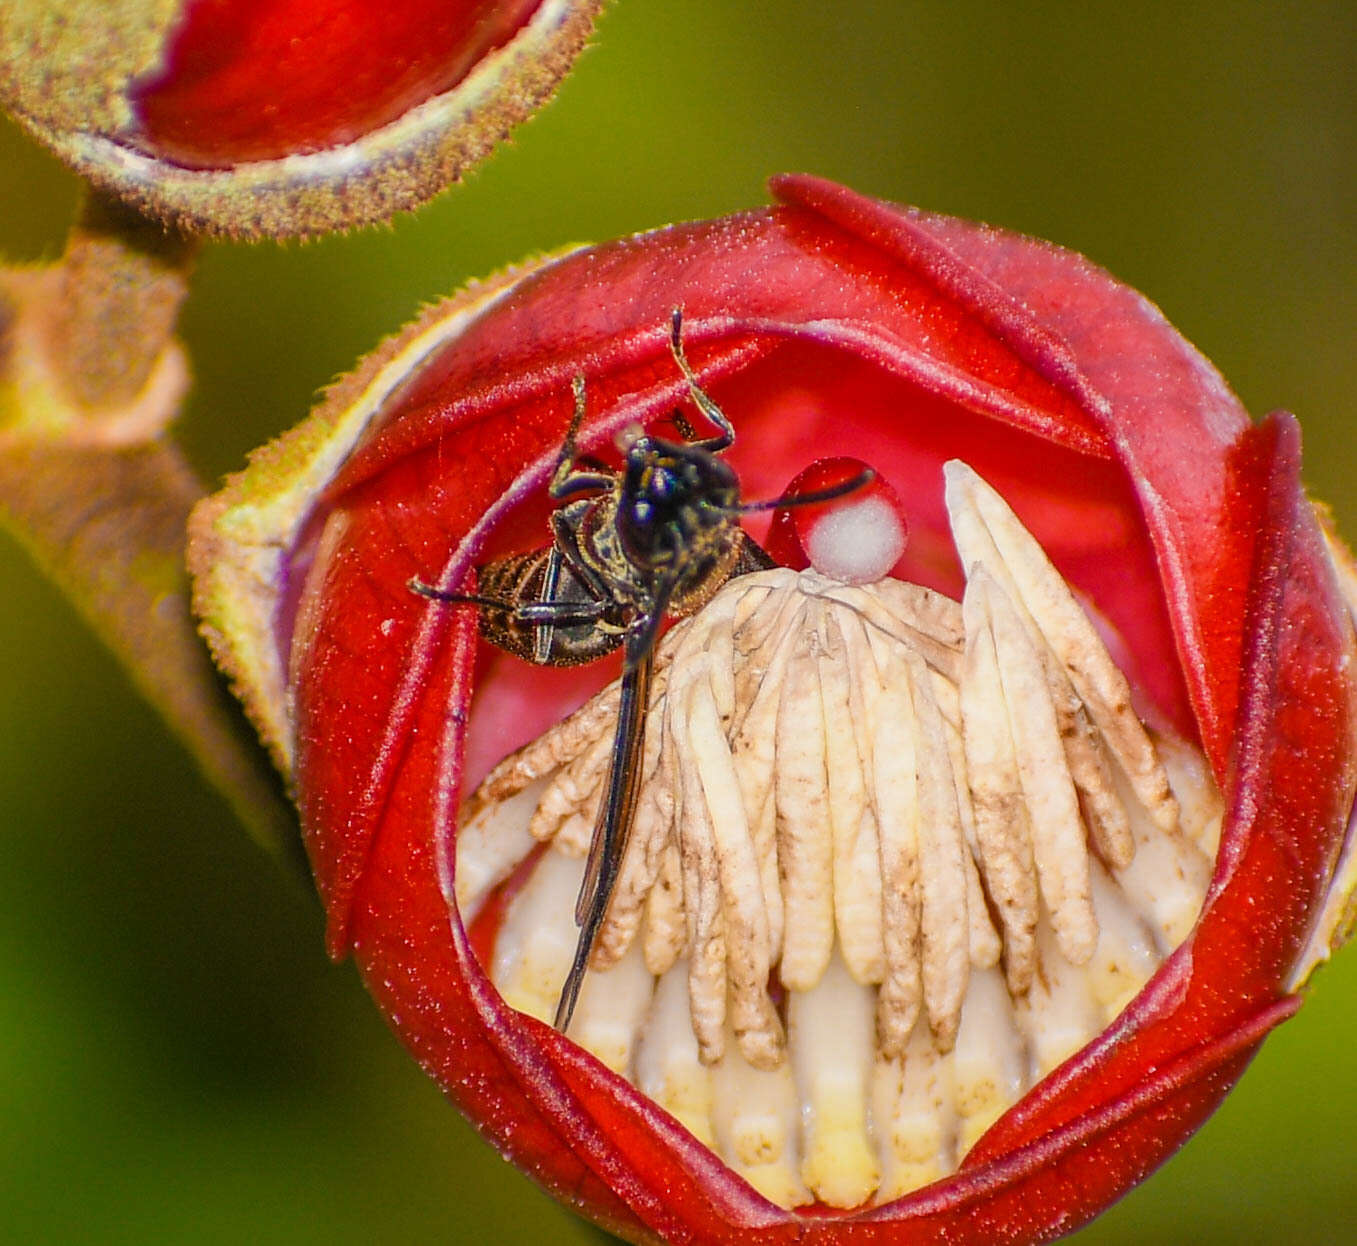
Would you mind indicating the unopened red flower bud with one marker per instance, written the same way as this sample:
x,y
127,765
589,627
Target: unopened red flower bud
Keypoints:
x,y
256,117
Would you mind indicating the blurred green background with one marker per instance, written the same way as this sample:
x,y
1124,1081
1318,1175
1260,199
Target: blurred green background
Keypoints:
x,y
178,1061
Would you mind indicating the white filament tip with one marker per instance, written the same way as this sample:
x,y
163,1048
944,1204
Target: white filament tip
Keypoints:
x,y
858,541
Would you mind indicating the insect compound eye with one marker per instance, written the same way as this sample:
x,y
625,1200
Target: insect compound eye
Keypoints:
x,y
708,480
641,529
662,486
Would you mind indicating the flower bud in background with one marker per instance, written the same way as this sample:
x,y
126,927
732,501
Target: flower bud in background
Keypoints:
x,y
965,878
253,118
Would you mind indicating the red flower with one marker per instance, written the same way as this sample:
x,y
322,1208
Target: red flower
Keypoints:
x,y
280,117
829,325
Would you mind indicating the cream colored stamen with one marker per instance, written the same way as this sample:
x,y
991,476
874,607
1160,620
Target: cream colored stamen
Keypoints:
x,y
1012,554
856,801
1057,832
853,825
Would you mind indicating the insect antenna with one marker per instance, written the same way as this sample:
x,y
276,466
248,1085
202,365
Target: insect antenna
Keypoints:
x,y
862,479
684,426
568,480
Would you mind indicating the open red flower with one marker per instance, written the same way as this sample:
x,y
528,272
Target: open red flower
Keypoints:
x,y
282,117
1101,461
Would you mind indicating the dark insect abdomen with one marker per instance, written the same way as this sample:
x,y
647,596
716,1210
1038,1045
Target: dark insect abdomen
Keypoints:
x,y
521,579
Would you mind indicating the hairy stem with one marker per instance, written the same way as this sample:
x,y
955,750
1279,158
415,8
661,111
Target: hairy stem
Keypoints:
x,y
98,494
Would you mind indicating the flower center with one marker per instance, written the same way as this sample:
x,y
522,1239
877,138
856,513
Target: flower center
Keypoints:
x,y
894,859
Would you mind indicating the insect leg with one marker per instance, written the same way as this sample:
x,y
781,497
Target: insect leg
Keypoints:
x,y
701,398
541,641
565,480
553,613
417,586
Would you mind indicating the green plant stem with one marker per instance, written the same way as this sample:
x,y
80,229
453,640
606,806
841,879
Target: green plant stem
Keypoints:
x,y
101,500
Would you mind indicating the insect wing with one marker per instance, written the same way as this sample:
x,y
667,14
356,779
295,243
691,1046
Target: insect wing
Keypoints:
x,y
613,826
751,557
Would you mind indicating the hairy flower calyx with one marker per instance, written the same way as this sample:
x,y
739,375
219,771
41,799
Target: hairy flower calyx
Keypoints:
x,y
895,859
259,118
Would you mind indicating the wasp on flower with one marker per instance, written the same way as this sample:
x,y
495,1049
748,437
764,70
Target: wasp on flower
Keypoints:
x,y
657,537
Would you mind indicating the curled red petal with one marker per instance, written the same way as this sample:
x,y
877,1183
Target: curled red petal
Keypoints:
x,y
859,328
282,118
261,79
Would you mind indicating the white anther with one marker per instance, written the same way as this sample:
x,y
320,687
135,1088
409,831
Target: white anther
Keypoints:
x,y
909,614
752,1016
701,892
896,798
490,844
988,1061
981,517
857,859
914,1117
756,1114
1058,844
801,792
942,863
665,935
1001,818
830,1040
668,1067
611,1007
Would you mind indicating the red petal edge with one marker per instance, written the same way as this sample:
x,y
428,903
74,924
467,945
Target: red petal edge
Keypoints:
x,y
1034,338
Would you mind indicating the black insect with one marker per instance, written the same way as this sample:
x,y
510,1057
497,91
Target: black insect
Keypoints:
x,y
657,537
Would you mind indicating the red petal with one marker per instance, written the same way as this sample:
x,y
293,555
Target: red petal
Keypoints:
x,y
833,325
259,79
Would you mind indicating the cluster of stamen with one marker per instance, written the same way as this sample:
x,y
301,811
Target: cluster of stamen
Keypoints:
x,y
894,859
